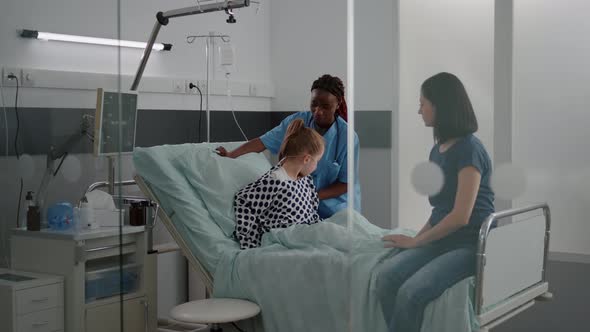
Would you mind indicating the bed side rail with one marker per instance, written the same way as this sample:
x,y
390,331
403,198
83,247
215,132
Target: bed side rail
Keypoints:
x,y
511,268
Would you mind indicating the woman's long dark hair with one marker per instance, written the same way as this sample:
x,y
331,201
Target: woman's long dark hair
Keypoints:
x,y
453,116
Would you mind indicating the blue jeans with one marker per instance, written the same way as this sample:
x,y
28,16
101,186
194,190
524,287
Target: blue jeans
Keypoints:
x,y
410,280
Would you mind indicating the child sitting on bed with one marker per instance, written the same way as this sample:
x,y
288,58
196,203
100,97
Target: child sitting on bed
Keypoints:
x,y
285,195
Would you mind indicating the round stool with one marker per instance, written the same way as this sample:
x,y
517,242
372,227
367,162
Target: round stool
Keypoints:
x,y
214,312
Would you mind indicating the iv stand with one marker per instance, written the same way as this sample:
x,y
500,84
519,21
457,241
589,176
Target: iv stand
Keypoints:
x,y
208,46
162,18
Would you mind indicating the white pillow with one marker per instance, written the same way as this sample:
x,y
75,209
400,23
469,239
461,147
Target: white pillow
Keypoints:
x,y
218,179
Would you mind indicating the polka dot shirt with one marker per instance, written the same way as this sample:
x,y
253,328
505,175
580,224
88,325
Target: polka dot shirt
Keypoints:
x,y
271,202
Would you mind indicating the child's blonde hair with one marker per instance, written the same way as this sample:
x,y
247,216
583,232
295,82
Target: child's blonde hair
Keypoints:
x,y
299,140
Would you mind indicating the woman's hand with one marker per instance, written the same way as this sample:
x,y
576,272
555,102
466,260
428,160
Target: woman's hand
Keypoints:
x,y
399,241
253,145
334,190
224,153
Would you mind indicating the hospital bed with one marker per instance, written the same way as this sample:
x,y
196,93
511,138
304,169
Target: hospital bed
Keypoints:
x,y
511,255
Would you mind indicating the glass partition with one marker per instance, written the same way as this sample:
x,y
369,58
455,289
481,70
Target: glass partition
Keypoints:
x,y
273,154
70,257
417,72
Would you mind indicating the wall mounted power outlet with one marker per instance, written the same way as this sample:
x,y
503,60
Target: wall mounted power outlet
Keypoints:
x,y
6,74
253,91
178,86
199,83
28,78
202,85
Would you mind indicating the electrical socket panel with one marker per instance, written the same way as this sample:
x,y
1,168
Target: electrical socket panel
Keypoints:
x,y
8,71
178,86
253,92
27,78
202,84
193,91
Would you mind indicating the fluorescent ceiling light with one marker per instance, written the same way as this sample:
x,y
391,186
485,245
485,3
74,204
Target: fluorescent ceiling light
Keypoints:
x,y
91,40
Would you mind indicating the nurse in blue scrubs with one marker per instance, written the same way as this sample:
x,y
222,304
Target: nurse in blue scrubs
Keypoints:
x,y
328,116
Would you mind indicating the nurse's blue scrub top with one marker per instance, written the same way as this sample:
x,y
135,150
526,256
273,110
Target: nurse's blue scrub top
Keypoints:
x,y
332,167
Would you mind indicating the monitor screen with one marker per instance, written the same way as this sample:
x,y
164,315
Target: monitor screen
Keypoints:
x,y
115,122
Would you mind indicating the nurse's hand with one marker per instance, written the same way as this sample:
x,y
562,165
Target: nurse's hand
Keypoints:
x,y
399,241
223,152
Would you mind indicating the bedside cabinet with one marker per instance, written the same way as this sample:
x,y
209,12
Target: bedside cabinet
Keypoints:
x,y
31,302
101,268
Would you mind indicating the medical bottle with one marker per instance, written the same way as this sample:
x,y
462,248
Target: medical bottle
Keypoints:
x,y
33,214
28,203
87,220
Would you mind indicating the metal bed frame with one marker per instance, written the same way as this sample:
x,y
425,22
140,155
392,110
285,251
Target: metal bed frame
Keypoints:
x,y
512,306
523,299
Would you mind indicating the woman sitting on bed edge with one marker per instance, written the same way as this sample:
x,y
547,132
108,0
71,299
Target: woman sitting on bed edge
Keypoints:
x,y
443,252
285,195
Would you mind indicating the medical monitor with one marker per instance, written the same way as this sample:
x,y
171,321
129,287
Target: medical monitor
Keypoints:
x,y
115,122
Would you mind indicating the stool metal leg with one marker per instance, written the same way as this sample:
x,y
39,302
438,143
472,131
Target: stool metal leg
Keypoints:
x,y
215,328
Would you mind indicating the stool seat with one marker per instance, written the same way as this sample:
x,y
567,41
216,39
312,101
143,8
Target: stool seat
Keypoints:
x,y
213,311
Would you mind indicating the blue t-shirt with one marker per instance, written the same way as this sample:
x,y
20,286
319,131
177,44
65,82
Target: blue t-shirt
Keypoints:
x,y
333,167
467,151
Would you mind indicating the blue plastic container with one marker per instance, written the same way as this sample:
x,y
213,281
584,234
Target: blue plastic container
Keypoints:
x,y
106,283
60,216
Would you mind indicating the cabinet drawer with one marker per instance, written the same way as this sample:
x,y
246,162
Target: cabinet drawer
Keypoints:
x,y
109,246
42,321
106,317
39,298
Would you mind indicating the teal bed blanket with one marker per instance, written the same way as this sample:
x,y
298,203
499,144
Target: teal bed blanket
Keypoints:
x,y
306,277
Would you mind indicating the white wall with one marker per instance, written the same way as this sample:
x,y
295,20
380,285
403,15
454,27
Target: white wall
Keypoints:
x,y
550,113
307,43
454,36
376,58
376,89
250,36
308,39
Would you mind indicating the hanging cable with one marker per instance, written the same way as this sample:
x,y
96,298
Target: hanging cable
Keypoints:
x,y
231,105
60,163
191,85
17,117
6,142
200,113
20,195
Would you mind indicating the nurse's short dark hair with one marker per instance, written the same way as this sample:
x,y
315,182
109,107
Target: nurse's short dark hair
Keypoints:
x,y
454,116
